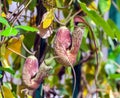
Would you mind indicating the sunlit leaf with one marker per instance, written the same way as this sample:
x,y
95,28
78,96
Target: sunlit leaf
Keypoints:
x,y
0,94
104,5
72,25
26,28
28,96
13,44
10,70
114,76
85,92
115,29
3,14
98,20
53,80
48,18
9,1
118,4
2,50
89,71
7,92
4,62
1,76
113,54
9,32
4,21
92,5
107,88
85,32
59,3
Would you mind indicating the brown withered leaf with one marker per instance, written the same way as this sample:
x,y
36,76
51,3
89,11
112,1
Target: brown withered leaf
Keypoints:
x,y
45,33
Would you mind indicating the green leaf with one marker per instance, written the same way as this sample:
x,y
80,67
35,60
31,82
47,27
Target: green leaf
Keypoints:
x,y
29,39
59,3
114,28
72,25
115,53
7,93
114,76
111,43
1,76
4,21
32,5
9,32
118,4
85,32
84,45
104,5
98,20
63,91
26,28
10,70
53,80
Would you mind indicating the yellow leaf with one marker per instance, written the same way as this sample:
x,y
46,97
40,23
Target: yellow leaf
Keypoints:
x,y
13,44
48,18
89,69
2,50
85,92
28,96
108,88
7,92
4,62
0,95
9,1
92,6
3,14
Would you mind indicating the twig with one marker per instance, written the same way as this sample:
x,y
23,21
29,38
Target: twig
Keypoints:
x,y
15,15
91,92
4,3
57,18
97,64
85,82
16,52
97,90
32,53
22,12
86,58
114,4
18,8
66,6
67,20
